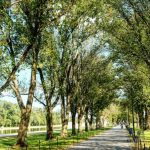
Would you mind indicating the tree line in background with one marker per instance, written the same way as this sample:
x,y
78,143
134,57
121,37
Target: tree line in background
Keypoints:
x,y
10,115
81,54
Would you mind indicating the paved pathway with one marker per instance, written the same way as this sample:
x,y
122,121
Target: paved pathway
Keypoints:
x,y
114,139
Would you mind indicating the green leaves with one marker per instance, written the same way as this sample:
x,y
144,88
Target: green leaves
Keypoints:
x,y
128,28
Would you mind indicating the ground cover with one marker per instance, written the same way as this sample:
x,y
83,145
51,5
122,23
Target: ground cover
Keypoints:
x,y
37,141
144,138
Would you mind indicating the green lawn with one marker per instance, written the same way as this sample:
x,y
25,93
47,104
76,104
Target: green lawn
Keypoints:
x,y
145,137
37,141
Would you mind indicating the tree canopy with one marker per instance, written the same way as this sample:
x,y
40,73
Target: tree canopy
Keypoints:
x,y
87,57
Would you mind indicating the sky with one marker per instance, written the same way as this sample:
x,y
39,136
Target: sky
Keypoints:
x,y
35,103
24,76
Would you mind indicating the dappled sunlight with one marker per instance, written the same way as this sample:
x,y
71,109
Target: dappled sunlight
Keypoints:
x,y
69,69
116,139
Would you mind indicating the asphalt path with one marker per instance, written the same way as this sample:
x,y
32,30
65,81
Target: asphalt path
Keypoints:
x,y
113,139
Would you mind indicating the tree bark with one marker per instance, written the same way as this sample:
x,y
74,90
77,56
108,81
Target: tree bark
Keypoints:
x,y
91,122
23,128
147,119
15,68
141,119
73,107
137,121
26,113
49,122
98,124
48,106
64,117
80,119
86,119
73,124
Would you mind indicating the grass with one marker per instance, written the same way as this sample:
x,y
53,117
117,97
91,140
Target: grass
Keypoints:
x,y
37,141
144,137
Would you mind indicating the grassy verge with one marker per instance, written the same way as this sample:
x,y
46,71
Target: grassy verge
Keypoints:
x,y
37,141
144,138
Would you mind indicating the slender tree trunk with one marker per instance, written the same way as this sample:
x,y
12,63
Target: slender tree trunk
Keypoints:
x,y
91,122
63,132
15,68
49,122
128,116
137,121
80,119
48,106
86,119
73,124
140,120
141,117
23,128
133,123
73,107
90,125
64,117
73,114
147,119
26,113
64,128
67,113
98,124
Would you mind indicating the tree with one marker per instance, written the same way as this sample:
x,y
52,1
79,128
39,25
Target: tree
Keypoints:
x,y
31,21
127,35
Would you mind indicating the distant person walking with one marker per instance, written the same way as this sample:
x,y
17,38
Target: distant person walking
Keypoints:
x,y
121,124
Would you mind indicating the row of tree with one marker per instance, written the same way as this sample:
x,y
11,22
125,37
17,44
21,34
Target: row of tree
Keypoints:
x,y
128,36
65,45
59,43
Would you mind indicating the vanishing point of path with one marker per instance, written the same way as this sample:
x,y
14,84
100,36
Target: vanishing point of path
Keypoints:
x,y
114,139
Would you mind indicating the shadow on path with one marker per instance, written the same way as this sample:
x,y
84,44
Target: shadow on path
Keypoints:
x,y
114,139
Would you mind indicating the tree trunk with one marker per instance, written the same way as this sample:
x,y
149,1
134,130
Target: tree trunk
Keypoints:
x,y
73,124
48,106
147,119
15,68
91,122
128,116
64,117
137,121
49,123
80,119
133,123
90,125
98,121
26,113
73,114
141,120
63,132
73,107
64,128
67,114
86,119
23,128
